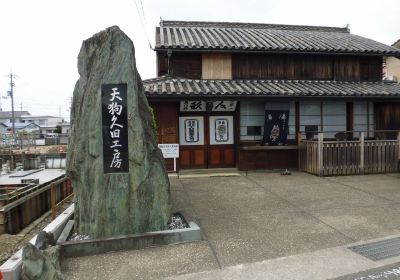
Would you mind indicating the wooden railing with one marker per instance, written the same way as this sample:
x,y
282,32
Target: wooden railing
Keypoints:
x,y
17,213
327,158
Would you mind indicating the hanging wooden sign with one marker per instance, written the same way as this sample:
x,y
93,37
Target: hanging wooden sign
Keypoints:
x,y
202,106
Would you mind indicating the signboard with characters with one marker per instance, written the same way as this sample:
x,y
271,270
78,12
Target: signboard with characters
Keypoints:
x,y
115,128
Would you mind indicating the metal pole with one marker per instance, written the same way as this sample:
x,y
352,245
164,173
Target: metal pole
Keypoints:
x,y
12,103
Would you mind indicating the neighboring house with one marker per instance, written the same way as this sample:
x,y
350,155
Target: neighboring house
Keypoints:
x,y
6,116
47,123
26,127
392,66
221,84
3,128
65,128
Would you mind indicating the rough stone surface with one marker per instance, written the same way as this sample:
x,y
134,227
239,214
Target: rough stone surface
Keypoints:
x,y
124,203
40,265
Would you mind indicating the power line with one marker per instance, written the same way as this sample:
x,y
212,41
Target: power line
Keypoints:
x,y
143,21
144,18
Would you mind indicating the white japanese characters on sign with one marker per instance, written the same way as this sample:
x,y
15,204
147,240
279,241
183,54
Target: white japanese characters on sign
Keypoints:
x,y
115,109
115,133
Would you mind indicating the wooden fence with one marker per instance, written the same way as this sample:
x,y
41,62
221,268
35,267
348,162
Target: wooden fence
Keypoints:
x,y
327,158
23,207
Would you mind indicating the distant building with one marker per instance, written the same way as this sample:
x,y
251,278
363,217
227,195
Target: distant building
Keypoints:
x,y
27,127
65,128
3,128
43,124
6,116
47,123
393,65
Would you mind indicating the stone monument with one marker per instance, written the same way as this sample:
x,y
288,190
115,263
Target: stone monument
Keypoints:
x,y
119,179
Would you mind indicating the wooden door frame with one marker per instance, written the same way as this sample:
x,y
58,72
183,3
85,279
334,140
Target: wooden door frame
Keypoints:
x,y
194,147
206,122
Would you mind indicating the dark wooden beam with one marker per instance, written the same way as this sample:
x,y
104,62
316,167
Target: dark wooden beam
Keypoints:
x,y
297,120
349,119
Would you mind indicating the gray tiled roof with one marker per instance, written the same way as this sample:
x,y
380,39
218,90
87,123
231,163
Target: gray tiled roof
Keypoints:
x,y
178,87
186,35
8,114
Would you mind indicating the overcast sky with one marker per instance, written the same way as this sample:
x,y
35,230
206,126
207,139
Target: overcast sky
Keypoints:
x,y
40,39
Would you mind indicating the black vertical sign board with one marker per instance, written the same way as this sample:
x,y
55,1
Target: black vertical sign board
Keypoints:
x,y
115,128
276,127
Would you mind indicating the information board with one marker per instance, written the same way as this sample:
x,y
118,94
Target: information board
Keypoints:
x,y
169,150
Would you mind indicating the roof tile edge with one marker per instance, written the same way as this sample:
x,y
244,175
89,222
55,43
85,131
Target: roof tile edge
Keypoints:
x,y
248,25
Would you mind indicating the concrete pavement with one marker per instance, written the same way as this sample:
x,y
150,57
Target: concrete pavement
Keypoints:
x,y
261,221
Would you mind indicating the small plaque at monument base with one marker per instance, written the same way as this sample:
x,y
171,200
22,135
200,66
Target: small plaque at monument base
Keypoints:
x,y
115,128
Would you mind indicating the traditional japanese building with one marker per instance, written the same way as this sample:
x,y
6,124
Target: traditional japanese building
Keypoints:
x,y
240,94
392,65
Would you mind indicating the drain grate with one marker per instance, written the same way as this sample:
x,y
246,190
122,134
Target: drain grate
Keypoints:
x,y
379,250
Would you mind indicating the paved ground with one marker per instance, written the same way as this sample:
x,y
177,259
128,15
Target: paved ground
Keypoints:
x,y
258,218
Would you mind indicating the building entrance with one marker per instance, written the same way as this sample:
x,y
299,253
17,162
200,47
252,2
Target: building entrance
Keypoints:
x,y
206,141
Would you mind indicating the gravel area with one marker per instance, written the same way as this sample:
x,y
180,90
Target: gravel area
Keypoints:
x,y
11,243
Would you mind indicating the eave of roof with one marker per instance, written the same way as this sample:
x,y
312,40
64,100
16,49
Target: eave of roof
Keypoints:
x,y
171,87
244,37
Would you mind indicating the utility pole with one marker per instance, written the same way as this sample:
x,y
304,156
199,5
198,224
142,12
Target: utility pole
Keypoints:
x,y
11,94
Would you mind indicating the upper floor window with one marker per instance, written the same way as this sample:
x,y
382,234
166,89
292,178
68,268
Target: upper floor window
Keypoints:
x,y
216,66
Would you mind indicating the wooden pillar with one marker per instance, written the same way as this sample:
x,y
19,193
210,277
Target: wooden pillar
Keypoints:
x,y
362,148
322,115
320,154
236,123
367,119
398,156
297,120
2,222
349,120
53,201
12,161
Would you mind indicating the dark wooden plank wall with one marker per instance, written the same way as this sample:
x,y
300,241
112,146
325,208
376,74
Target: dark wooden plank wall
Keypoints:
x,y
184,65
259,66
306,67
280,66
387,117
267,159
166,115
